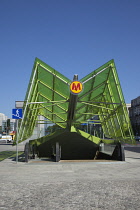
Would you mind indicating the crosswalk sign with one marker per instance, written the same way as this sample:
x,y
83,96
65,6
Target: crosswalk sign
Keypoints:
x,y
16,113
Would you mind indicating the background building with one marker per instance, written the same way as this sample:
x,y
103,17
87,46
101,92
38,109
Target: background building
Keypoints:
x,y
134,114
3,118
7,125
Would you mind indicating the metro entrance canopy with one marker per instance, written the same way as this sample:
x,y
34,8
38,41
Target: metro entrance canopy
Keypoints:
x,y
49,95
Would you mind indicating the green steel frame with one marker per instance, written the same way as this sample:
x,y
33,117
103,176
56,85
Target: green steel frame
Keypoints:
x,y
48,94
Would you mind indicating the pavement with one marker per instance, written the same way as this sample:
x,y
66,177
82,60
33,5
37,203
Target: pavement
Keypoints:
x,y
85,185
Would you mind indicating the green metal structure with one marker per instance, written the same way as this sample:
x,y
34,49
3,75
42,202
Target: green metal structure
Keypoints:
x,y
101,100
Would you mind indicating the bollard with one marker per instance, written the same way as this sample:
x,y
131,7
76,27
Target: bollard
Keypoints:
x,y
26,150
57,152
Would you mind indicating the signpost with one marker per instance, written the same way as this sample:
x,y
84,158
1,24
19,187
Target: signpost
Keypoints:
x,y
17,114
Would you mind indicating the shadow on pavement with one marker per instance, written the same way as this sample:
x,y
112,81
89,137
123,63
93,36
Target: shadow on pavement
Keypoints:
x,y
21,158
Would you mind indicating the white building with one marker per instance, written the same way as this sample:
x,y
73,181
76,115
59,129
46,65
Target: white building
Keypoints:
x,y
3,117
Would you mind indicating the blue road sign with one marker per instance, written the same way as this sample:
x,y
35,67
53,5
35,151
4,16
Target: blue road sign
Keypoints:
x,y
16,113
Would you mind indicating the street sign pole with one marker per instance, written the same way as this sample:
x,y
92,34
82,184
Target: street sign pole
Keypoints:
x,y
17,144
17,114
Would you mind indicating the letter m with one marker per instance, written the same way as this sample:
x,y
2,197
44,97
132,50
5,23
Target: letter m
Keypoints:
x,y
76,86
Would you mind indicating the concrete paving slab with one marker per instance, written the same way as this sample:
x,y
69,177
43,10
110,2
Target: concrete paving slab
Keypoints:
x,y
72,185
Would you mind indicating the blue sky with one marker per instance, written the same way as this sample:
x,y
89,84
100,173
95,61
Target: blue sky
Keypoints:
x,y
72,36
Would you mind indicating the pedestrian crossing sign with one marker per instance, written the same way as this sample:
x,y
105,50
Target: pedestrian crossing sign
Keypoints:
x,y
16,113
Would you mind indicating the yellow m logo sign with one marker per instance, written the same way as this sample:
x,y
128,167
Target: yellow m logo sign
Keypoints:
x,y
76,87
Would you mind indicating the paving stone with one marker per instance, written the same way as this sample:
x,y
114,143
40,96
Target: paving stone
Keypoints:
x,y
71,185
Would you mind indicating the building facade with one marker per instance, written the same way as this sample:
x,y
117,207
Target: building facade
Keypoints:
x,y
3,117
134,114
7,125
